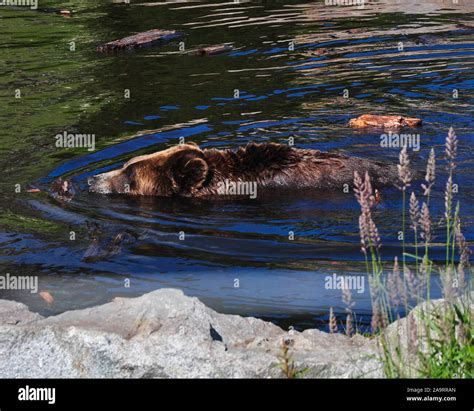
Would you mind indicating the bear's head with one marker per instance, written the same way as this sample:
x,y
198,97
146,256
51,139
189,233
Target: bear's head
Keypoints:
x,y
180,170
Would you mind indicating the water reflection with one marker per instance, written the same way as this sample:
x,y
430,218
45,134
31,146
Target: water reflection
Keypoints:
x,y
392,57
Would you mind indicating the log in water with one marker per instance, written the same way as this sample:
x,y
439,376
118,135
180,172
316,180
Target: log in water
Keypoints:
x,y
142,39
370,120
213,50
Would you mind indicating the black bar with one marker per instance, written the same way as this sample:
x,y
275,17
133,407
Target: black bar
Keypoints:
x,y
248,394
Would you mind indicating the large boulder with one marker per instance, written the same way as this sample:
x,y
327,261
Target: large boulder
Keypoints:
x,y
166,334
13,313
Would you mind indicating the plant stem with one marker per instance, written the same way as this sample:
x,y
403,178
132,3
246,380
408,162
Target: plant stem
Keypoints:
x,y
403,226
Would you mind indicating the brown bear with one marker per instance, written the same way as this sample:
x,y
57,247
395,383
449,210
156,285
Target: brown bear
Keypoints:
x,y
187,170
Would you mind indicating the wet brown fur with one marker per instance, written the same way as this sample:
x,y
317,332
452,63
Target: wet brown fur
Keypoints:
x,y
186,170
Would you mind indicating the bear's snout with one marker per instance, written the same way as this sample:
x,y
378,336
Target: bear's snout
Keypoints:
x,y
99,184
108,183
112,182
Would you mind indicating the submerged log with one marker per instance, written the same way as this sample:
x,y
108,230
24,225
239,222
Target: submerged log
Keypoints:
x,y
62,12
213,50
50,10
356,30
370,120
145,38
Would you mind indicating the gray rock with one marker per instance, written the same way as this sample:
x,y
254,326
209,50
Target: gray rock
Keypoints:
x,y
166,334
13,313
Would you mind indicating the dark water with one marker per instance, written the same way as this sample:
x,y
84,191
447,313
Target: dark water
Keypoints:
x,y
283,93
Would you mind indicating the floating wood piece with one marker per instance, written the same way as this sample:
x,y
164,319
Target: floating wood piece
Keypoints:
x,y
51,10
369,120
319,51
65,13
62,12
46,296
356,30
145,38
213,50
315,52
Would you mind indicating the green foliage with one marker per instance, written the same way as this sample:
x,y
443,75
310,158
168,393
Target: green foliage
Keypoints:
x,y
451,353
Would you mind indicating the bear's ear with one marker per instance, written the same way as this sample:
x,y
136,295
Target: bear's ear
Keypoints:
x,y
188,171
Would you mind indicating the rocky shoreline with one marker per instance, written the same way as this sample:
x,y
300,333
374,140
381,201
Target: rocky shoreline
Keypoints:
x,y
165,334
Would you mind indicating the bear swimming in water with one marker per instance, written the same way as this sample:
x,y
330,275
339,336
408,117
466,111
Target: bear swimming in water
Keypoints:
x,y
187,170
